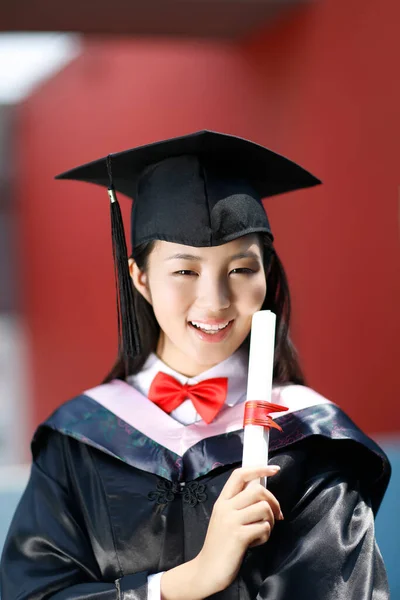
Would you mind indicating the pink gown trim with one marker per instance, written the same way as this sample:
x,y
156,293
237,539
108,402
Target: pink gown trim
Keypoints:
x,y
131,406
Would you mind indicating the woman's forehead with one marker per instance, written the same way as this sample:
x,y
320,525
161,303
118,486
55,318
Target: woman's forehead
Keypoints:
x,y
241,247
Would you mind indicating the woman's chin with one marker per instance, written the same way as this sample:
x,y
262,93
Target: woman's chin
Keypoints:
x,y
194,356
212,356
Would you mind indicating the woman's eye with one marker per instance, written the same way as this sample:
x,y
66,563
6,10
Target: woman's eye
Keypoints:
x,y
184,272
243,270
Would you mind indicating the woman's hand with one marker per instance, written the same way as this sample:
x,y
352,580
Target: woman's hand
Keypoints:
x,y
243,516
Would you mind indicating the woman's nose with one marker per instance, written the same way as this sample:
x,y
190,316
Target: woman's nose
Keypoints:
x,y
214,295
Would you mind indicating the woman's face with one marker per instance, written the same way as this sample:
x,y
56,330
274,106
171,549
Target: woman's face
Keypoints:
x,y
203,299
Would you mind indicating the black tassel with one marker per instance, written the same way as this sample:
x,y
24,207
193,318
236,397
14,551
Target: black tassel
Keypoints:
x,y
128,329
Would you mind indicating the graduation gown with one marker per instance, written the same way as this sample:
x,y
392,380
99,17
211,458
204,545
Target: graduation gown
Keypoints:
x,y
119,491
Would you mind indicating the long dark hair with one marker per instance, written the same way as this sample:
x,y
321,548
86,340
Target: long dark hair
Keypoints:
x,y
286,363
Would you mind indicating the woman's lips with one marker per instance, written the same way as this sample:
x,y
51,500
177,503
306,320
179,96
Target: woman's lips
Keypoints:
x,y
212,337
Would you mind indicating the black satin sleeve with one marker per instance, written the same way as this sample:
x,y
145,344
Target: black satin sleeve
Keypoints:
x,y
47,552
324,549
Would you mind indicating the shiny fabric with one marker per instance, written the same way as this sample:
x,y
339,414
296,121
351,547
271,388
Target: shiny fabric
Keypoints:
x,y
85,420
208,396
91,525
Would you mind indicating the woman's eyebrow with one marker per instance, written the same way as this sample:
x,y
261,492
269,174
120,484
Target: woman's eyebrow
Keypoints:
x,y
246,254
183,256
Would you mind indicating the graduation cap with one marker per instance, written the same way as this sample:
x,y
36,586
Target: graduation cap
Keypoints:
x,y
202,189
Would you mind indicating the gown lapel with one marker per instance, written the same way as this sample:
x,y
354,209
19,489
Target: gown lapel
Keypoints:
x,y
116,419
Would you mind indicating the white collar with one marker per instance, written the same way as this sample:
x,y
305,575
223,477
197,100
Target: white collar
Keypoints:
x,y
234,368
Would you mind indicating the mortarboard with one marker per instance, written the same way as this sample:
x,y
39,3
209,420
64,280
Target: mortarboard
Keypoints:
x,y
202,189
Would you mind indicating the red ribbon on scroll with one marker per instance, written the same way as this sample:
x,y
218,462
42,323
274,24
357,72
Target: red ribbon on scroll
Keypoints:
x,y
257,412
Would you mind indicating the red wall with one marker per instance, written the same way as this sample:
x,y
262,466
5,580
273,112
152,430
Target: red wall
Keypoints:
x,y
320,87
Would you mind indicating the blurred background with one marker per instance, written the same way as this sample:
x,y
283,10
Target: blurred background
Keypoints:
x,y
314,80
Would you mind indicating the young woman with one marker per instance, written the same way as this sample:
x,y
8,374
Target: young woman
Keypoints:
x,y
136,488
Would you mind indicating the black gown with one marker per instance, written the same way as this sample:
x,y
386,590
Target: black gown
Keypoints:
x,y
107,505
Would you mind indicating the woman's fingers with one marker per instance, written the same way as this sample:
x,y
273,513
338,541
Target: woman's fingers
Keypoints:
x,y
254,494
261,511
240,477
257,533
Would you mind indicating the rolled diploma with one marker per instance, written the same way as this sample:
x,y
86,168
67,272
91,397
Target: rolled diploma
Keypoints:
x,y
259,386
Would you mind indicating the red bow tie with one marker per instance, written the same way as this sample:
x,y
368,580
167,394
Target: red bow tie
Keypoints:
x,y
208,396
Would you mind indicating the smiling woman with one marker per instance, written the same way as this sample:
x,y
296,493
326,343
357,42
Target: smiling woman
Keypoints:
x,y
203,302
136,489
264,261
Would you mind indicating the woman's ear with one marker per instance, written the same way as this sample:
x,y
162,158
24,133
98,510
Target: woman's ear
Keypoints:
x,y
140,280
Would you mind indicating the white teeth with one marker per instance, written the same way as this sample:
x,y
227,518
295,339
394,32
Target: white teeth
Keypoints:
x,y
206,327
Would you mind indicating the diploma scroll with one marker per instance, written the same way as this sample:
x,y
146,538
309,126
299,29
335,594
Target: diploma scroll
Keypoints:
x,y
259,390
